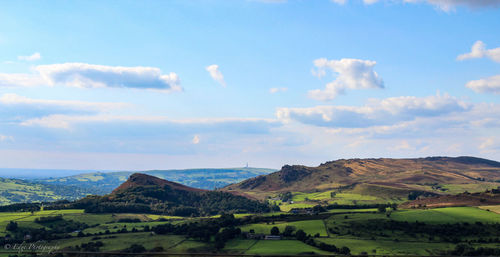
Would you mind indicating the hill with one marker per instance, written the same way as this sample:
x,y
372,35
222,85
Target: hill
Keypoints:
x,y
143,193
101,183
374,180
22,191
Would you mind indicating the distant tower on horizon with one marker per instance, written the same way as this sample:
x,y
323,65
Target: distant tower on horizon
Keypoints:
x,y
247,165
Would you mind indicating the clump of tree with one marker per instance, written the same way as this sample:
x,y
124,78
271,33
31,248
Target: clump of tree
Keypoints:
x,y
467,250
48,219
285,197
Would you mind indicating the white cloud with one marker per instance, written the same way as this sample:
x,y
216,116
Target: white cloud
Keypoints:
x,y
376,112
216,74
277,89
95,76
196,139
479,50
30,58
13,99
341,2
20,80
63,121
487,85
351,74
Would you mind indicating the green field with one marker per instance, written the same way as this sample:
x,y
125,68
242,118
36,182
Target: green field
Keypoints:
x,y
382,242
311,227
122,241
447,215
390,247
282,247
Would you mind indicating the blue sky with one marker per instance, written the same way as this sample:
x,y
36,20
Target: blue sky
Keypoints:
x,y
181,84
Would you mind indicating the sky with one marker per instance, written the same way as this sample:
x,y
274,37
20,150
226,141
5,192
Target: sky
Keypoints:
x,y
133,85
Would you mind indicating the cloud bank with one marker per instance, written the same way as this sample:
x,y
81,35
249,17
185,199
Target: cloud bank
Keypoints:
x,y
375,112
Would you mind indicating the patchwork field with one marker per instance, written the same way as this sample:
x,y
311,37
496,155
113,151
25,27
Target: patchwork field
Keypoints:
x,y
342,228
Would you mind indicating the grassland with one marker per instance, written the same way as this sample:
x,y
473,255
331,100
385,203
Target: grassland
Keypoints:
x,y
311,227
122,241
447,215
494,208
282,247
384,242
389,247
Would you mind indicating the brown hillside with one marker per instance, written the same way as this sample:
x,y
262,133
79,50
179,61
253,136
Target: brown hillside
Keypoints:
x,y
403,175
464,199
139,179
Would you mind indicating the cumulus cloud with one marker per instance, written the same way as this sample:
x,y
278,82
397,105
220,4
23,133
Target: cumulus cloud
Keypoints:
x,y
375,112
94,76
216,74
30,58
479,50
277,90
487,85
351,74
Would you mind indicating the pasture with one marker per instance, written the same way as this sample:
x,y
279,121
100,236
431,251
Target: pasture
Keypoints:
x,y
447,215
311,227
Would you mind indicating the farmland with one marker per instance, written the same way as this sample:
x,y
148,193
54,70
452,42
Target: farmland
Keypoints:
x,y
352,229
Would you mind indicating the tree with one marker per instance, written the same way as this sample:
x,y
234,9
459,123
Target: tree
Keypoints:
x,y
135,248
381,208
12,226
275,231
345,250
288,231
301,235
333,194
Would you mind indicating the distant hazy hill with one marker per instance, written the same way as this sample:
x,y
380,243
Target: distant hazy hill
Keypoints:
x,y
22,191
383,178
143,193
103,183
74,187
